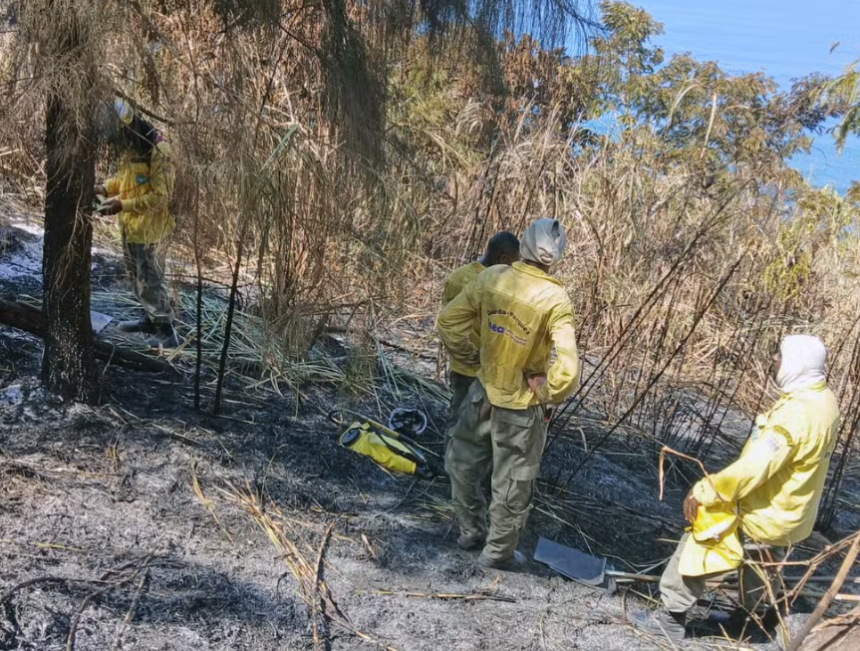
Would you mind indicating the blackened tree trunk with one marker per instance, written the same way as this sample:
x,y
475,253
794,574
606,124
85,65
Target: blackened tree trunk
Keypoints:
x,y
68,367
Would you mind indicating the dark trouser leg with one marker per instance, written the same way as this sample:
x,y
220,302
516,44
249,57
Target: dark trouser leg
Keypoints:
x,y
680,593
467,460
759,577
146,269
131,266
459,389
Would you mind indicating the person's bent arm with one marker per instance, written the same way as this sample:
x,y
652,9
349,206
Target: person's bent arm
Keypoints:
x,y
563,376
161,179
455,324
111,187
760,461
449,293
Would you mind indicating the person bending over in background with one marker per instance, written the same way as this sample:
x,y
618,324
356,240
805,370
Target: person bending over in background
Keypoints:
x,y
748,514
522,312
139,194
503,248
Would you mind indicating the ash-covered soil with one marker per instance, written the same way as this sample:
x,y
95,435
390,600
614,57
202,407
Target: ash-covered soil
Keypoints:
x,y
144,524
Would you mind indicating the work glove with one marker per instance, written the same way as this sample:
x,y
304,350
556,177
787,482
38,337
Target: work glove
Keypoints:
x,y
110,207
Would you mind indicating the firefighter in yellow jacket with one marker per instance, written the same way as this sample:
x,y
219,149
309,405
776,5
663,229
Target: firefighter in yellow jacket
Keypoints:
x,y
503,248
139,195
749,514
522,312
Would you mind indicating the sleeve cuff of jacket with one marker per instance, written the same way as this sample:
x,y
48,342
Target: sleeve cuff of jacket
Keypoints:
x,y
705,494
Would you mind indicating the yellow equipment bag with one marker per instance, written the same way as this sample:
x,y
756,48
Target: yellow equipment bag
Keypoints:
x,y
714,545
386,447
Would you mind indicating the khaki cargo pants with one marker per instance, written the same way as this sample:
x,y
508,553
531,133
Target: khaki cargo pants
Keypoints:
x,y
680,593
512,443
145,265
459,388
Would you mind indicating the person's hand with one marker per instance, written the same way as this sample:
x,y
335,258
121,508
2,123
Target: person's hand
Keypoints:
x,y
691,507
536,381
111,207
100,190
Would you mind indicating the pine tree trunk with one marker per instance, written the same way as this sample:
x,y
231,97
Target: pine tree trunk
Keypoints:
x,y
68,369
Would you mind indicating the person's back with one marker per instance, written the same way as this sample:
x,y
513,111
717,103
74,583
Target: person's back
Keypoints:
x,y
522,306
783,509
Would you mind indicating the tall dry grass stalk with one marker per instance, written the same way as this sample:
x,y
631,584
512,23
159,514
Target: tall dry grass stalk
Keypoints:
x,y
693,246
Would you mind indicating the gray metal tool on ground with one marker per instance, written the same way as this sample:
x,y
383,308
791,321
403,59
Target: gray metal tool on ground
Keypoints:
x,y
591,570
583,568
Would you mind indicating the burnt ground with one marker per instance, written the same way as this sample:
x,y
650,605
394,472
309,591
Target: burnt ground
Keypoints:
x,y
123,526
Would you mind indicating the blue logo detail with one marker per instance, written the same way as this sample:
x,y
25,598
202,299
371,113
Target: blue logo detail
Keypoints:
x,y
140,179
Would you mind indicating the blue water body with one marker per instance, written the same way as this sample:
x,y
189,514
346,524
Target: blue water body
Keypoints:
x,y
786,39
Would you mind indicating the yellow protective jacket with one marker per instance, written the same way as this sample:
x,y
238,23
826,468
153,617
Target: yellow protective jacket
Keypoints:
x,y
776,484
458,279
144,186
522,313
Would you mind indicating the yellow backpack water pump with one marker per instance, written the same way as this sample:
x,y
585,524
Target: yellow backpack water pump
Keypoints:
x,y
390,449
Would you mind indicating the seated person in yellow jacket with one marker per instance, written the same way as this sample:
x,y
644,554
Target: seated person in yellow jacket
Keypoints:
x,y
139,194
748,515
503,248
522,312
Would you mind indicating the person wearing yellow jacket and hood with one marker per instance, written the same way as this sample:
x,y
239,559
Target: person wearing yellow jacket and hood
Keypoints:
x,y
503,248
749,514
522,313
139,195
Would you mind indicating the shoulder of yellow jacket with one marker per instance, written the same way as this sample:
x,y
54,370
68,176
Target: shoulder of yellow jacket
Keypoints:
x,y
460,277
491,274
466,270
804,412
518,284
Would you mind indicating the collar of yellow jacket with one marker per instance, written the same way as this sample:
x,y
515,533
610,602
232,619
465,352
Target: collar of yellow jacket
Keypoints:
x,y
788,397
531,270
818,386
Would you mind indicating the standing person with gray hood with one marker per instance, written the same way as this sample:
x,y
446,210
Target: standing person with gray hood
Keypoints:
x,y
521,312
748,515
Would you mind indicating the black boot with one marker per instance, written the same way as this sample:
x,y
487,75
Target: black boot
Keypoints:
x,y
138,325
767,620
165,337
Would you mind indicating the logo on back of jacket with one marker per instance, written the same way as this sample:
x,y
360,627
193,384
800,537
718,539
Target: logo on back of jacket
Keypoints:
x,y
506,331
141,179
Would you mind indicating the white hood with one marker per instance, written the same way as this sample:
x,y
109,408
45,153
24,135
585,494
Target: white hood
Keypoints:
x,y
803,358
543,242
